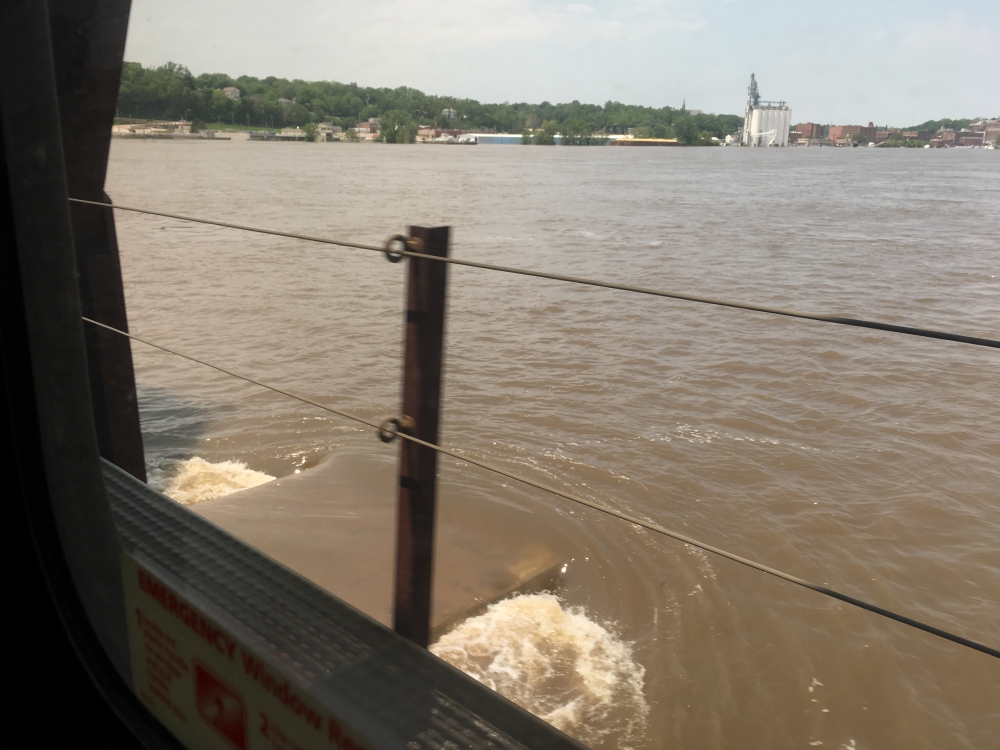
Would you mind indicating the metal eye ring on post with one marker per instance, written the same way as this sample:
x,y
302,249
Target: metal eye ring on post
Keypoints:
x,y
411,244
389,430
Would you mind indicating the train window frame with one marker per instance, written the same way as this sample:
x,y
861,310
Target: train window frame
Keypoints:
x,y
90,522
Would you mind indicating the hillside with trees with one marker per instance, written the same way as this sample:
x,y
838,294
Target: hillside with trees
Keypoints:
x,y
936,125
172,92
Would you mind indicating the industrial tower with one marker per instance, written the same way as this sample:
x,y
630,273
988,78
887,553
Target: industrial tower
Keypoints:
x,y
764,123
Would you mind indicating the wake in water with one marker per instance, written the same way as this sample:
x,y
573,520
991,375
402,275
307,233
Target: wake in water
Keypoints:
x,y
555,662
196,480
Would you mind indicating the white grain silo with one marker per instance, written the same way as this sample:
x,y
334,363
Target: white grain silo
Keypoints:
x,y
765,123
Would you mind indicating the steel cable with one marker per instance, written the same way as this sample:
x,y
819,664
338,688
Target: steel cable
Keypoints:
x,y
648,525
840,320
258,230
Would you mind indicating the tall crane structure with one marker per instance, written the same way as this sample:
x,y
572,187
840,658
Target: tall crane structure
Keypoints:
x,y
764,123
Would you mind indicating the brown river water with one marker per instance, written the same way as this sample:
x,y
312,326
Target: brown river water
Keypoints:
x,y
866,461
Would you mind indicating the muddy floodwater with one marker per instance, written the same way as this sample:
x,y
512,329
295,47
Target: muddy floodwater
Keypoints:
x,y
861,460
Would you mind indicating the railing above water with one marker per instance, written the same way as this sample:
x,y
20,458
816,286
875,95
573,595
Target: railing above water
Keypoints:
x,y
427,250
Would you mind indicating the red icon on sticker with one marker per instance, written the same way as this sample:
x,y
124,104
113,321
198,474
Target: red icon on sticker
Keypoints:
x,y
220,706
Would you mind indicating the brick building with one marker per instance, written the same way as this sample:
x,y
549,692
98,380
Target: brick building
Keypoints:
x,y
869,132
971,138
949,137
842,132
810,130
945,137
847,132
989,128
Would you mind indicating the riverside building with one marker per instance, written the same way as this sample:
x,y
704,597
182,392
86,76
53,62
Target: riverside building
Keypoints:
x,y
765,123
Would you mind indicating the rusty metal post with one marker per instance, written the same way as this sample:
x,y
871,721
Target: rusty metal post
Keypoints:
x,y
425,311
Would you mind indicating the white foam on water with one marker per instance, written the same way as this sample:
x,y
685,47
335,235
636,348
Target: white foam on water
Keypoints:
x,y
557,663
196,480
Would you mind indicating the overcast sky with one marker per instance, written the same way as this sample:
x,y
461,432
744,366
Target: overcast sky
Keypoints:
x,y
843,61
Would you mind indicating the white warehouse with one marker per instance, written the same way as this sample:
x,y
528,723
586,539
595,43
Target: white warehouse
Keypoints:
x,y
765,123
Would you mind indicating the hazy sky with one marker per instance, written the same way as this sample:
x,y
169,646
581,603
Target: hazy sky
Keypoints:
x,y
843,61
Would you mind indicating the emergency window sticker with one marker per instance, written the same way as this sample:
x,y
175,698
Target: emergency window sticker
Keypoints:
x,y
220,706
209,689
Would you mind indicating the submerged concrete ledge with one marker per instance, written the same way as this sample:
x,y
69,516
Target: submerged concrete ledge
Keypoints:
x,y
335,524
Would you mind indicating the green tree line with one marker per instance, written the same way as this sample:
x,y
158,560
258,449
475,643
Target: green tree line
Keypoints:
x,y
936,125
172,92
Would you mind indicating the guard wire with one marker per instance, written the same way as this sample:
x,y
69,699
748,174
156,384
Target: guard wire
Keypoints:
x,y
648,525
227,225
236,375
839,320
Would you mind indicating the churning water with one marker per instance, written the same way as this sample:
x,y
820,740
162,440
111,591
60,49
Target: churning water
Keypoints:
x,y
863,460
195,480
555,662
